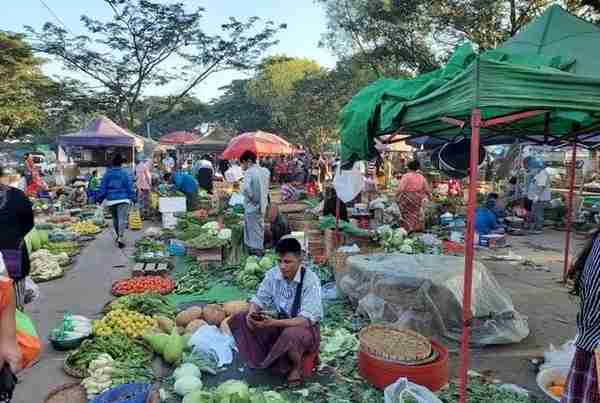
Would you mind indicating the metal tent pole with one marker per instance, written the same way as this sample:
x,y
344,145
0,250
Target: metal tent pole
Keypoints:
x,y
469,253
570,210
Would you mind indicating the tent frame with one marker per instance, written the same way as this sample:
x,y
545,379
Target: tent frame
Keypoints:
x,y
476,124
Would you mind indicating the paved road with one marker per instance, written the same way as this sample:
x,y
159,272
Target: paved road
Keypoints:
x,y
84,290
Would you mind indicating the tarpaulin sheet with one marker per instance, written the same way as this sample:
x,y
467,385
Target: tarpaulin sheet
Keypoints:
x,y
549,66
425,293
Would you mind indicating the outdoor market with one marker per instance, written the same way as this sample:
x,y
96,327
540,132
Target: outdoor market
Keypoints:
x,y
441,248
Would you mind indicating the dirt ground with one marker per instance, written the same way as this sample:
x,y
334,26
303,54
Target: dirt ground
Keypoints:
x,y
535,292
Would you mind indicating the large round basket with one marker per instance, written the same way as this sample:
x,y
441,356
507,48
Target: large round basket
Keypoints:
x,y
395,345
67,393
382,373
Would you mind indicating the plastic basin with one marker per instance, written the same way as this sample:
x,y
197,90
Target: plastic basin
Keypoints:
x,y
546,376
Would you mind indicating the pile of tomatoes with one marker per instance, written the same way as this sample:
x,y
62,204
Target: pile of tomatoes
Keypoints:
x,y
139,285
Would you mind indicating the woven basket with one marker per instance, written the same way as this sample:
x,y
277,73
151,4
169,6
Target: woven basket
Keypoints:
x,y
73,372
67,393
395,345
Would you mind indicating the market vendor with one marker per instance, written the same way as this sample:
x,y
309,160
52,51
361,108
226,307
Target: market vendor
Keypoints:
x,y
186,184
78,197
330,206
492,201
281,326
279,226
413,189
486,221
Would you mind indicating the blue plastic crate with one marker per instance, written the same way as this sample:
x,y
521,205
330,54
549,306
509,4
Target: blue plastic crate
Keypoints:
x,y
129,393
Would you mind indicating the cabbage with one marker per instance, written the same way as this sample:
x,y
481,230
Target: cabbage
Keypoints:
x,y
252,259
266,262
406,248
273,397
187,369
232,391
225,234
187,384
252,267
212,225
198,396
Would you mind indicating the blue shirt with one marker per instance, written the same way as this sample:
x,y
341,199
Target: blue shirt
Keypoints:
x,y
116,185
185,183
485,221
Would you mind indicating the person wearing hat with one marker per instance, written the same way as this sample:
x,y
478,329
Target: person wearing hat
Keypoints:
x,y
143,178
117,190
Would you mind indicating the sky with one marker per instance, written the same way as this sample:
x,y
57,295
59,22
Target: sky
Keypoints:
x,y
304,18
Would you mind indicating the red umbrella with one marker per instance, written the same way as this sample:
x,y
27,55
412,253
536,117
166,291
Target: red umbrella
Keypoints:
x,y
179,138
261,143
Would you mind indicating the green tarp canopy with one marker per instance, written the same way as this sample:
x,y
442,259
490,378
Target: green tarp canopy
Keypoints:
x,y
551,65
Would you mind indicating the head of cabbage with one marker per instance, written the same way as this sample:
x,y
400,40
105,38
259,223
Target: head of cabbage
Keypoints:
x,y
232,391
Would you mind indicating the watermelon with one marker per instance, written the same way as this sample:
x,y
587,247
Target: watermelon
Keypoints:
x,y
43,237
34,239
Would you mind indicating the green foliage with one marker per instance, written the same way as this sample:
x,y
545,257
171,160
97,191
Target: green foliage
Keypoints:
x,y
22,82
153,44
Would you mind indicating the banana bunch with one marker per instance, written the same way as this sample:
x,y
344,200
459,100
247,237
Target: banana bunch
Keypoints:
x,y
85,228
135,220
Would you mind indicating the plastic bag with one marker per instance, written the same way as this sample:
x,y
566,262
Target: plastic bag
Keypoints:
x,y
402,389
348,183
211,339
27,339
2,266
559,357
32,290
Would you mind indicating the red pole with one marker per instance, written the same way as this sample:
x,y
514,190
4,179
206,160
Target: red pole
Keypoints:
x,y
469,253
570,210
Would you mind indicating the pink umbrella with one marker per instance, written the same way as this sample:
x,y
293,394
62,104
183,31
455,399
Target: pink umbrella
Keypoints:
x,y
179,138
261,143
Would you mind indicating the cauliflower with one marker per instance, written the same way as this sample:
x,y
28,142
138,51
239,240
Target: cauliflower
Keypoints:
x,y
405,248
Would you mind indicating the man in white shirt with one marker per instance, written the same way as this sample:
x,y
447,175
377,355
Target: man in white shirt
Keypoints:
x,y
234,173
255,204
539,194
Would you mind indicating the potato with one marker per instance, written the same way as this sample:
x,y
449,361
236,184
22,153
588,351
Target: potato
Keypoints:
x,y
165,324
214,314
190,314
195,325
181,330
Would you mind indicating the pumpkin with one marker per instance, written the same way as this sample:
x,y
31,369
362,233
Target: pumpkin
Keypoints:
x,y
214,314
234,307
190,314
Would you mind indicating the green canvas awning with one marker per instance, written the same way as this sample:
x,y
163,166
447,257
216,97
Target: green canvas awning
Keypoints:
x,y
549,66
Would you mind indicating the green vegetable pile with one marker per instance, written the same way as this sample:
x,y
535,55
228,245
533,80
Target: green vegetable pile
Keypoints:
x,y
118,346
148,304
254,270
480,392
397,240
147,245
69,247
211,237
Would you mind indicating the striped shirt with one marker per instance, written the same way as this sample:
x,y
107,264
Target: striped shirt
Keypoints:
x,y
588,319
276,293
